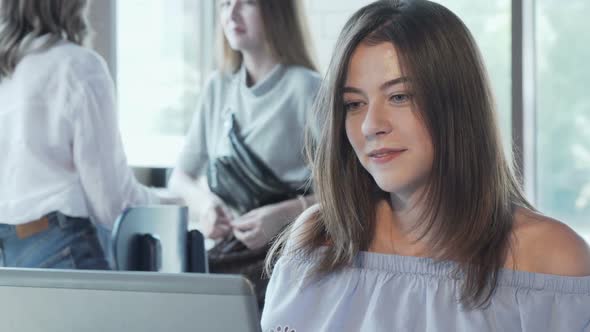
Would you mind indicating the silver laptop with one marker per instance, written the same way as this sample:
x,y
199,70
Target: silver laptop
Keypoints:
x,y
33,300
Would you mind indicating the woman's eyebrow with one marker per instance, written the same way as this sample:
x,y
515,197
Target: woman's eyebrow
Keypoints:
x,y
384,86
393,82
350,89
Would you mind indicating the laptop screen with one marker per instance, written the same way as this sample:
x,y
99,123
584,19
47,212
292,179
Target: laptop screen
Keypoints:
x,y
58,300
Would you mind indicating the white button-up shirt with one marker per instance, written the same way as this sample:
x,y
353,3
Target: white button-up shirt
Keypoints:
x,y
60,146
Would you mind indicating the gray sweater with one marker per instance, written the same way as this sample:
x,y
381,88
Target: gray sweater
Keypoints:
x,y
271,114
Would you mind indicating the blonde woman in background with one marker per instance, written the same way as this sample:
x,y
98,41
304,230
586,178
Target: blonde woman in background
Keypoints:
x,y
267,82
63,166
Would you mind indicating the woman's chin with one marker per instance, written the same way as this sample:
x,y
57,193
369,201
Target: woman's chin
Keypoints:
x,y
390,186
398,188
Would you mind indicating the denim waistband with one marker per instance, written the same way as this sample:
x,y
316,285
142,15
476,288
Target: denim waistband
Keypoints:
x,y
55,219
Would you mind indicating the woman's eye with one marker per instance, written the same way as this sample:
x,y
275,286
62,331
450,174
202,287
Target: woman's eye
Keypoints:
x,y
224,4
352,105
400,98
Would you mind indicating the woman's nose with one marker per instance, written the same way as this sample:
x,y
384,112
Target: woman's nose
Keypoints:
x,y
376,122
235,7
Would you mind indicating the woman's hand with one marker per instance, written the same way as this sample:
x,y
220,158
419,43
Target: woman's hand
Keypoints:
x,y
212,217
258,227
215,219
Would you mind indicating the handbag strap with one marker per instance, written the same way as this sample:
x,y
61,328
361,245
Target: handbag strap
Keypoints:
x,y
252,165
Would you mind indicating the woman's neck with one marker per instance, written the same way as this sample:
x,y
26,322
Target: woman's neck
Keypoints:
x,y
258,65
397,228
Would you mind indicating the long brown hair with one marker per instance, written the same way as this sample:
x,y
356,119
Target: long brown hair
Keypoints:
x,y
21,21
284,29
471,193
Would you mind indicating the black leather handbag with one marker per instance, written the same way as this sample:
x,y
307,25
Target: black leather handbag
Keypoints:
x,y
243,181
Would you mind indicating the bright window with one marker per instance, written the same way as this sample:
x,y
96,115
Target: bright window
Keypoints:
x,y
162,60
563,111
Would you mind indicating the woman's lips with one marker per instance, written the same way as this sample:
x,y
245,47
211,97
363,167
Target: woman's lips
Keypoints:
x,y
383,156
238,30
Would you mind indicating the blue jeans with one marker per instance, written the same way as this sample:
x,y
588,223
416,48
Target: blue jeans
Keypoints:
x,y
68,243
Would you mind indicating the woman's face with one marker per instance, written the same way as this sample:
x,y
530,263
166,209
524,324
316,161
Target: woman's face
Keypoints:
x,y
241,21
384,129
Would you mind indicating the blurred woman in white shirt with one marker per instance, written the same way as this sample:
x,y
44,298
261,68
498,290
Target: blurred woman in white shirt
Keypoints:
x,y
63,166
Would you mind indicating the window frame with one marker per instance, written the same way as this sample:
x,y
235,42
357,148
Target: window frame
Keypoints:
x,y
523,67
103,18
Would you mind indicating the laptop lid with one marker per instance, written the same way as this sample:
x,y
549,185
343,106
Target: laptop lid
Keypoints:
x,y
33,300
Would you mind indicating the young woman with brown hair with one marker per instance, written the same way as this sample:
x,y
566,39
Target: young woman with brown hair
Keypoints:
x,y
421,224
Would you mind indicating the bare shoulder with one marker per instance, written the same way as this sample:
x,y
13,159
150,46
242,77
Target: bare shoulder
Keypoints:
x,y
545,245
